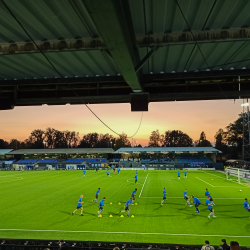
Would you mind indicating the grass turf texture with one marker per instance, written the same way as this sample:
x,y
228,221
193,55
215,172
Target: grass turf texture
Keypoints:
x,y
45,200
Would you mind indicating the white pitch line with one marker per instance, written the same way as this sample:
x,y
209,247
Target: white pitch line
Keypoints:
x,y
198,197
143,186
204,181
104,232
215,175
235,181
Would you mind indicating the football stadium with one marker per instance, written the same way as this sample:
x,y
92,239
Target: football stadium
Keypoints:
x,y
106,191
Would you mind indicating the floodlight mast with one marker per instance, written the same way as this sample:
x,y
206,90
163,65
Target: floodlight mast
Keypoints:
x,y
245,115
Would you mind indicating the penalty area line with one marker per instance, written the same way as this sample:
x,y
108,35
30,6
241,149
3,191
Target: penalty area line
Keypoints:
x,y
143,186
138,233
204,181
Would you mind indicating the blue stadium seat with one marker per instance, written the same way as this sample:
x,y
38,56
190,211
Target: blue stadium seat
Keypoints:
x,y
186,159
74,160
48,161
27,161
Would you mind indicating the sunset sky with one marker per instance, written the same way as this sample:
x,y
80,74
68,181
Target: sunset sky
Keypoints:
x,y
189,117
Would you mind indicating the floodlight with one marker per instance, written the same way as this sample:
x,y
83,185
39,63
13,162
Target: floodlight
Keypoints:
x,y
245,104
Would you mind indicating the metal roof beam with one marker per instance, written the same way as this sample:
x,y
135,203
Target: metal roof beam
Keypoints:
x,y
110,19
163,39
155,97
145,59
206,36
52,46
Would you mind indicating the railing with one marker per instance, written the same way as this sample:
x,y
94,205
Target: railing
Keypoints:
x,y
17,244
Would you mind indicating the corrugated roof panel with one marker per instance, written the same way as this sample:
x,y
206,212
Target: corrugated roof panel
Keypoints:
x,y
240,59
80,63
22,66
214,53
5,151
188,57
229,14
172,149
62,151
167,59
45,20
159,16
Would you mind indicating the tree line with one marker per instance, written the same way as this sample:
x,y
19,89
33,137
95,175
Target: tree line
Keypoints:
x,y
228,140
53,138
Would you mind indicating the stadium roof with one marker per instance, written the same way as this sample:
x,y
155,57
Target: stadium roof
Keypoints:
x,y
114,51
63,151
168,149
5,151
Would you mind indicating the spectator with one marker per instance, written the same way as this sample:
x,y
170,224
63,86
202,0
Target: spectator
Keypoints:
x,y
234,245
63,245
207,246
116,248
224,245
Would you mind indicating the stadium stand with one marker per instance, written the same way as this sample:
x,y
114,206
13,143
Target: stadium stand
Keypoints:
x,y
48,161
96,160
186,159
27,161
115,160
156,160
74,160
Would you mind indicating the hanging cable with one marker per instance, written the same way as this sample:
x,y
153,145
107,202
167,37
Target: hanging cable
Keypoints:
x,y
27,33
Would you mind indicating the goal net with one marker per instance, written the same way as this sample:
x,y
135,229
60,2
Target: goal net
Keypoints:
x,y
238,174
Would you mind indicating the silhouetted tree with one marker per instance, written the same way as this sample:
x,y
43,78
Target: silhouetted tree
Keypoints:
x,y
155,139
3,144
122,141
105,140
36,138
176,138
15,144
203,142
234,133
89,140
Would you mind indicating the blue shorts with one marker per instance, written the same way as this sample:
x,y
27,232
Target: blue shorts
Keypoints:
x,y
100,208
78,207
96,196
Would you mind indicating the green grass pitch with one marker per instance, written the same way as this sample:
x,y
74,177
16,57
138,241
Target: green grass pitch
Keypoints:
x,y
38,205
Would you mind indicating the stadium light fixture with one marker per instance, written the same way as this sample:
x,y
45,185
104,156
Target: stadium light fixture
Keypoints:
x,y
245,104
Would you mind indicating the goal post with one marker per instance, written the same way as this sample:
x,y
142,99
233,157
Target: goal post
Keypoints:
x,y
238,174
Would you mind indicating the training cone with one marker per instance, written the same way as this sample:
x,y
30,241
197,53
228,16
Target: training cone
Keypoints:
x,y
136,204
122,216
132,216
119,203
111,216
111,203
